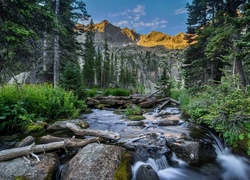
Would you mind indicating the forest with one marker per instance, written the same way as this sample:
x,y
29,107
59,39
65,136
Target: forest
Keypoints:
x,y
39,37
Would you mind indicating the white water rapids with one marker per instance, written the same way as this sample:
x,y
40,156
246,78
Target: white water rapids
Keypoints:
x,y
227,166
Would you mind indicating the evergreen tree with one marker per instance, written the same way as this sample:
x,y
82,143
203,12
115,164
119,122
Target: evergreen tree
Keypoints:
x,y
89,56
98,68
106,66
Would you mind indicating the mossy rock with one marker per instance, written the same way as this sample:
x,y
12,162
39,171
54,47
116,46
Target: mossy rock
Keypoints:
x,y
35,126
21,178
136,117
124,171
100,106
84,124
87,111
244,145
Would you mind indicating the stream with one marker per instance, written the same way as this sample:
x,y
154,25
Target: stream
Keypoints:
x,y
227,166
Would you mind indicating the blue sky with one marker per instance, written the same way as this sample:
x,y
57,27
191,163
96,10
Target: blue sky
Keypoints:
x,y
144,16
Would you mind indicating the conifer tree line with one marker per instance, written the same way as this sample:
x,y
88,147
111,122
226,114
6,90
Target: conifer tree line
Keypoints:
x,y
38,36
221,46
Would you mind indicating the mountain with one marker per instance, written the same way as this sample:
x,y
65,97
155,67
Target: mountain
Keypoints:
x,y
142,58
116,35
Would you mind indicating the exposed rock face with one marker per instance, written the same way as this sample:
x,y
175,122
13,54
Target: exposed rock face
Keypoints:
x,y
95,162
115,34
18,167
178,41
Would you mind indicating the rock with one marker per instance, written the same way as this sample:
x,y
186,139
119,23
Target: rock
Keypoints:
x,y
168,122
124,171
149,145
146,172
136,123
59,125
46,169
193,151
26,141
136,117
95,161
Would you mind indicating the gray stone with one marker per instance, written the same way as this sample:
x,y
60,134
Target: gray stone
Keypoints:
x,y
95,162
46,169
168,122
192,151
59,125
146,172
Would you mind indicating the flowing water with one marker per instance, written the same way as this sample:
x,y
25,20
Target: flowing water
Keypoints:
x,y
227,166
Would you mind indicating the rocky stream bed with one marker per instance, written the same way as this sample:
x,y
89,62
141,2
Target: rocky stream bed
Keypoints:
x,y
163,146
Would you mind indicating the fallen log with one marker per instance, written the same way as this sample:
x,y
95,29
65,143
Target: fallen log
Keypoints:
x,y
26,150
50,139
149,103
90,132
163,105
148,96
174,101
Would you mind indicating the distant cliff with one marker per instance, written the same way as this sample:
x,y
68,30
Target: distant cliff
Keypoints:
x,y
116,35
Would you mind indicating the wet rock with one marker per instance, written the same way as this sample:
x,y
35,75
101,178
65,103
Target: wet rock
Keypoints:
x,y
168,122
46,169
146,172
95,162
149,145
59,125
136,123
192,151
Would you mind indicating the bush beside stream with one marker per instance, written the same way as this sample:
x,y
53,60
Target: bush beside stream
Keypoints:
x,y
22,104
224,108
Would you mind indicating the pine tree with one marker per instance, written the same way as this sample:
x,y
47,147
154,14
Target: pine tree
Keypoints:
x,y
89,56
106,66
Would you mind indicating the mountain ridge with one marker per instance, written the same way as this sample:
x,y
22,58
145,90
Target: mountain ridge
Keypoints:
x,y
115,34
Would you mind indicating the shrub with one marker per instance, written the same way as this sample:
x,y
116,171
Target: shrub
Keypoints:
x,y
116,92
22,104
225,108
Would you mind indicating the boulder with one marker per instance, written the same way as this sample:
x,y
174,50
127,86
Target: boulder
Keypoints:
x,y
59,125
168,122
192,151
149,145
19,167
95,161
146,172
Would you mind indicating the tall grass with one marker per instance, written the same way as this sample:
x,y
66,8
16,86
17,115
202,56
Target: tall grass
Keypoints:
x,y
22,104
116,92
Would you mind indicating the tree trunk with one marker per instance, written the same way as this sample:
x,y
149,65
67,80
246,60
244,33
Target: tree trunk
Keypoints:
x,y
22,151
56,49
45,68
90,132
238,65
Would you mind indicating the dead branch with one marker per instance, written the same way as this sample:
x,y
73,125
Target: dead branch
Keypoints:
x,y
90,132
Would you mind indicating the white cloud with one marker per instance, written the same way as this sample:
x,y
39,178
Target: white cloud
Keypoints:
x,y
133,18
152,24
180,11
122,23
139,9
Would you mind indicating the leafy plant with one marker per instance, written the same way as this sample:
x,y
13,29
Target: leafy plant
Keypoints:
x,y
20,105
116,92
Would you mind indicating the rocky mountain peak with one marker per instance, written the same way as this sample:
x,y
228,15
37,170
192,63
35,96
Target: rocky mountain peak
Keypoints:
x,y
115,35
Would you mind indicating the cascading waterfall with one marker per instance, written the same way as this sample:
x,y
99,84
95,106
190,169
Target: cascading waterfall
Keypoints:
x,y
231,167
234,167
